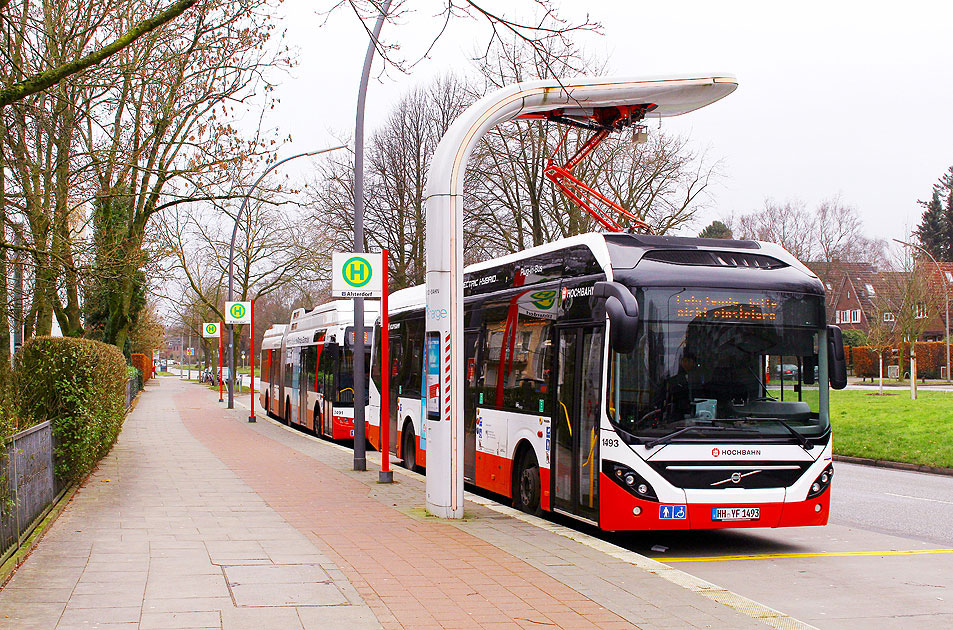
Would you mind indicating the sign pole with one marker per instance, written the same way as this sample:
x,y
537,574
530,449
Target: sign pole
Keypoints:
x,y
251,361
386,475
221,352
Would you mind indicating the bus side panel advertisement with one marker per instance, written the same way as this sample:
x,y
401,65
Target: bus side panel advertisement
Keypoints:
x,y
433,375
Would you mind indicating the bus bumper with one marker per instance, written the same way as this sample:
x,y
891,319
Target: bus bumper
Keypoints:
x,y
621,511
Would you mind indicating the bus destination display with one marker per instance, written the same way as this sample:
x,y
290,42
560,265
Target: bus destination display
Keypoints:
x,y
722,307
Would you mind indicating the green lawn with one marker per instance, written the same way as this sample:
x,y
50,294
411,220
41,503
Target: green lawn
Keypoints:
x,y
893,427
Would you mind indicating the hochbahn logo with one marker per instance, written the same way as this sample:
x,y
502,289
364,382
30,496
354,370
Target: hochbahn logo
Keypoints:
x,y
357,272
735,451
237,311
211,329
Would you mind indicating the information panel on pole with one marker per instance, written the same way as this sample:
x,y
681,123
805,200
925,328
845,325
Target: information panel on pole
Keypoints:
x,y
356,275
211,329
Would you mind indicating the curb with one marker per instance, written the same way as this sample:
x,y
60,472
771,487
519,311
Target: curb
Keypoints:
x,y
883,463
13,562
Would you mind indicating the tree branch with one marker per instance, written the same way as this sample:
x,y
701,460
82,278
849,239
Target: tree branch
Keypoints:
x,y
51,77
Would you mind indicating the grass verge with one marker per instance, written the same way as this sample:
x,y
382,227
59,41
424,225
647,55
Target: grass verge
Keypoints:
x,y
893,427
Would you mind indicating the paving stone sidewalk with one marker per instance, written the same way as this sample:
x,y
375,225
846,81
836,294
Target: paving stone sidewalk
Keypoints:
x,y
164,535
198,519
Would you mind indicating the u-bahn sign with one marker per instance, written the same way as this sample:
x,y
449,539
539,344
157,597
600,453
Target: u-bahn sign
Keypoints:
x,y
237,312
210,329
356,275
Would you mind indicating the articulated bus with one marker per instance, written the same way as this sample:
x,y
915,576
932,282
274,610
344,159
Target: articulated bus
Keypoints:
x,y
636,382
307,368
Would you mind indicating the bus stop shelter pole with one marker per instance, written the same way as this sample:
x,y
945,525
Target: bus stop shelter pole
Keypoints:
x,y
443,419
251,385
386,474
221,354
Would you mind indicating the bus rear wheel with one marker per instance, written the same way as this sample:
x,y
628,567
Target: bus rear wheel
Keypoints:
x,y
408,448
526,488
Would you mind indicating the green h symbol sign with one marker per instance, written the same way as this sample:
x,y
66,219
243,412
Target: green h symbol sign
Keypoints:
x,y
357,272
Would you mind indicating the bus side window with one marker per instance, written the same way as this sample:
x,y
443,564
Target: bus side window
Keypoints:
x,y
412,368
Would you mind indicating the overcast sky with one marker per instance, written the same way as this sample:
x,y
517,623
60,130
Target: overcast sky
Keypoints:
x,y
835,98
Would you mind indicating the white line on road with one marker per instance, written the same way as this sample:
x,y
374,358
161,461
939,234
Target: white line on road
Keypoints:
x,y
906,496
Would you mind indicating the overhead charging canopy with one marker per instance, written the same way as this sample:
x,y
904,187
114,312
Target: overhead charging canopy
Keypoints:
x,y
578,98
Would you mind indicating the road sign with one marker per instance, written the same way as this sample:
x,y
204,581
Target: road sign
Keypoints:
x,y
210,329
356,275
237,312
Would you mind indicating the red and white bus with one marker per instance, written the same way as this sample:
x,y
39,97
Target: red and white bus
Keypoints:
x,y
633,382
307,368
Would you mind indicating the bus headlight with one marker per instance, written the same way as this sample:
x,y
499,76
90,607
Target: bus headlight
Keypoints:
x,y
630,480
822,482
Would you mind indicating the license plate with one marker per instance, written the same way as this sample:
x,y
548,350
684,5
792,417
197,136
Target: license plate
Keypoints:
x,y
735,514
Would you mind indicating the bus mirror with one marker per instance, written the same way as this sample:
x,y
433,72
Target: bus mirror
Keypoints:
x,y
623,312
623,331
836,360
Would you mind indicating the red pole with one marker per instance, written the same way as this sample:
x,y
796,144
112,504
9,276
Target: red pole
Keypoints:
x,y
221,352
385,380
251,339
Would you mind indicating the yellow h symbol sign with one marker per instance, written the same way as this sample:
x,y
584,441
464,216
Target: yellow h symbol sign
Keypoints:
x,y
357,272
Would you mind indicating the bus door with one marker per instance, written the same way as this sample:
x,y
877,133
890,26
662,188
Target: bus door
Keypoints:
x,y
396,351
471,342
306,384
327,366
295,393
575,447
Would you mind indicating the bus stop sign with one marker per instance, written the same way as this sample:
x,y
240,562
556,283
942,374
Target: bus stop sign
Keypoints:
x,y
356,275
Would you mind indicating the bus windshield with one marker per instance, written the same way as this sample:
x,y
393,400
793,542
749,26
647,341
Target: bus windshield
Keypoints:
x,y
717,364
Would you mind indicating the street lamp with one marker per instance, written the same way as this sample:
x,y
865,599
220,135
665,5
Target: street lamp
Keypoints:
x,y
231,259
360,461
946,298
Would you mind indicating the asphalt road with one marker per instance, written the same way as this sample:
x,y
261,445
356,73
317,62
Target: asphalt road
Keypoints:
x,y
884,561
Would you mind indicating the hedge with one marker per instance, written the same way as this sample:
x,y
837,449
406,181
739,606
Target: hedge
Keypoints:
x,y
80,386
144,364
931,356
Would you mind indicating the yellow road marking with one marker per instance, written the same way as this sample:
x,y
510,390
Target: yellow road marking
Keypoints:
x,y
819,554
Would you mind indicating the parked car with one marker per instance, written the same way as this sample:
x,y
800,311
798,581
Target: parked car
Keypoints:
x,y
788,370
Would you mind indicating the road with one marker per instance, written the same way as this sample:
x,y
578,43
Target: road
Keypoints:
x,y
884,561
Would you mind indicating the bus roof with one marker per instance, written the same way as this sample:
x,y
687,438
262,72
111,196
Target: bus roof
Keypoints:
x,y
646,260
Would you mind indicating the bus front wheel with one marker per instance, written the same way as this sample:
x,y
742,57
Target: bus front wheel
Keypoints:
x,y
526,490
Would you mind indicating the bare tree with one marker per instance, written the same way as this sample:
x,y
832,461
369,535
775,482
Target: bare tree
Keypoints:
x,y
548,29
788,224
164,130
915,300
512,204
21,14
882,329
398,156
271,253
840,235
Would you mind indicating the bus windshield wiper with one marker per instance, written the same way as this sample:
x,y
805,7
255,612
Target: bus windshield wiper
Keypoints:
x,y
665,439
805,443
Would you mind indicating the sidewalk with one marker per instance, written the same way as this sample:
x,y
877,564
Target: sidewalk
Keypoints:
x,y
198,519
